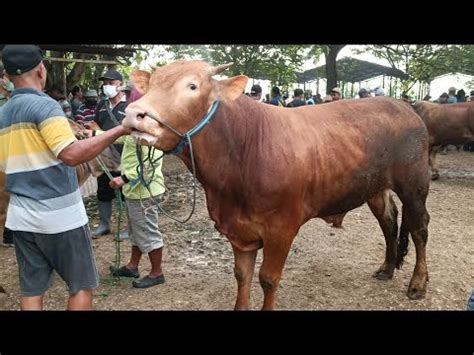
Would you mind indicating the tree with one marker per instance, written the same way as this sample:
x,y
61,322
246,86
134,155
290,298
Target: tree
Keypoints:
x,y
330,53
70,74
278,63
423,63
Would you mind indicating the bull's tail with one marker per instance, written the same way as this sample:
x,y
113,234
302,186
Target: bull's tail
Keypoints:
x,y
402,246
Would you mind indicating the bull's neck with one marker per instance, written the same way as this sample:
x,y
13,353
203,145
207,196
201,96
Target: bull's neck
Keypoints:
x,y
221,145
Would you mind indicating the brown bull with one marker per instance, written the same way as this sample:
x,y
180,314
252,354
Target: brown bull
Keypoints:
x,y
447,124
267,170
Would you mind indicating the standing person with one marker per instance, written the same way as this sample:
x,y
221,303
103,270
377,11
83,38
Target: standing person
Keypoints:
x,y
336,94
46,214
277,99
6,87
363,93
110,112
379,92
461,96
297,99
256,92
86,112
142,211
452,99
309,98
76,100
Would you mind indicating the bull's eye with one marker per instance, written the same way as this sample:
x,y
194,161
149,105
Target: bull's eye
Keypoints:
x,y
192,86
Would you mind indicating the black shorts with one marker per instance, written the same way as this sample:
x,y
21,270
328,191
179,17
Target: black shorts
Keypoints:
x,y
104,192
69,253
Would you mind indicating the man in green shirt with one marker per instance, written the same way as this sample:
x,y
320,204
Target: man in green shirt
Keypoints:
x,y
6,87
142,212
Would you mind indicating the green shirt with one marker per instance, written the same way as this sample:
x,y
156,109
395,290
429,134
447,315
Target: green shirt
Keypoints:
x,y
3,100
134,190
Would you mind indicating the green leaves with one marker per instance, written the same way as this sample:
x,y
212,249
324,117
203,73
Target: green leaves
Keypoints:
x,y
277,63
424,62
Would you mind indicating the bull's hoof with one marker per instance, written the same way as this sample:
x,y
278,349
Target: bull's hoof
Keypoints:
x,y
435,176
416,293
383,275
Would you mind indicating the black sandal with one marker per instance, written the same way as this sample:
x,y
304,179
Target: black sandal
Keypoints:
x,y
124,272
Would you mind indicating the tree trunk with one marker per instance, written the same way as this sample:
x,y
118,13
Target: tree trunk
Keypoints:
x,y
331,73
55,75
77,72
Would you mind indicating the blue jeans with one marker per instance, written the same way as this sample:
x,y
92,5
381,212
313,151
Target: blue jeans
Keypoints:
x,y
470,302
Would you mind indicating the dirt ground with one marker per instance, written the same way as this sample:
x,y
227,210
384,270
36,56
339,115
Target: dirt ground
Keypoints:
x,y
327,268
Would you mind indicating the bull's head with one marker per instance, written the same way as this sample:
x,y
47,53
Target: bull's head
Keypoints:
x,y
178,95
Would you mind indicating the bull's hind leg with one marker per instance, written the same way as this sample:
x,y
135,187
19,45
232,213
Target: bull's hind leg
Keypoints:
x,y
416,218
275,253
244,268
384,209
432,161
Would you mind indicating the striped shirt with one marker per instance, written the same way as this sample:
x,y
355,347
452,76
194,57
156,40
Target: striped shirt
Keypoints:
x,y
45,196
85,113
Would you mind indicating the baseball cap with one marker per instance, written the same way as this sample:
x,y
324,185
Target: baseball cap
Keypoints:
x,y
256,89
111,75
91,93
20,59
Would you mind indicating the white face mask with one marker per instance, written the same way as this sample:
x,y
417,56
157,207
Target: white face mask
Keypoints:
x,y
110,91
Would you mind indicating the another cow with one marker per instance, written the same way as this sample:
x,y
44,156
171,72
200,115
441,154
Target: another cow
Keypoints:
x,y
267,170
447,124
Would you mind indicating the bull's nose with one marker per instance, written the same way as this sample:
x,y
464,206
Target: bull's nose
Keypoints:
x,y
133,117
135,113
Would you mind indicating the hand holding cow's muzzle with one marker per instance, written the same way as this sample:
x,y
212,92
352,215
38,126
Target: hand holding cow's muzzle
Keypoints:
x,y
144,138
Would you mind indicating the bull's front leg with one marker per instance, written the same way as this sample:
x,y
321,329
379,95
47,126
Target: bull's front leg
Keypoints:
x,y
244,268
432,161
275,253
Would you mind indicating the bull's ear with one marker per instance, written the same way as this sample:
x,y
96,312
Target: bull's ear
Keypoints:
x,y
140,80
233,87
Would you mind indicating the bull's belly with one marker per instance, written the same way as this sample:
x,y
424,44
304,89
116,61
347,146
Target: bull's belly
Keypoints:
x,y
342,206
459,138
360,192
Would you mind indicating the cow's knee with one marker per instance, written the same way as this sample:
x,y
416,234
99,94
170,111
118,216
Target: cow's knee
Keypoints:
x,y
239,275
267,282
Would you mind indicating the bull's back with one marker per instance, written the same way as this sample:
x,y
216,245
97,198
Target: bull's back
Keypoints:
x,y
339,154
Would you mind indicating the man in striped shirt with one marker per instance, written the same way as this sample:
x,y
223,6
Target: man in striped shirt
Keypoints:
x,y
46,213
86,112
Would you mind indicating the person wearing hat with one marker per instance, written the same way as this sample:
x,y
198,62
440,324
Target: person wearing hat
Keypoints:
x,y
452,99
86,112
46,214
327,98
256,92
110,113
336,94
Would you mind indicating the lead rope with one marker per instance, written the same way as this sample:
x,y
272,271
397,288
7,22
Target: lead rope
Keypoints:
x,y
141,176
117,258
